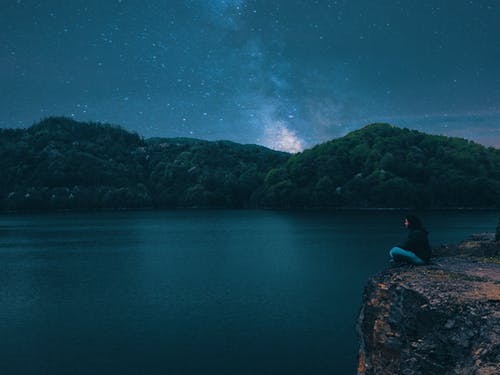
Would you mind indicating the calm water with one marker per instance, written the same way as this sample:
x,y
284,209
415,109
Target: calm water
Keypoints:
x,y
194,292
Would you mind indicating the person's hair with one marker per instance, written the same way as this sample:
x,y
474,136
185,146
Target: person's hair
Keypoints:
x,y
415,223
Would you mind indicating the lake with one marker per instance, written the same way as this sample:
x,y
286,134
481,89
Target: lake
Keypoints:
x,y
195,291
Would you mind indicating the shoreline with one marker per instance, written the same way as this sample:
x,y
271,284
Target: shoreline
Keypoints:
x,y
215,208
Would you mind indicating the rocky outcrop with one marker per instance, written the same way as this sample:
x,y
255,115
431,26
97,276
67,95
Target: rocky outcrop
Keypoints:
x,y
443,318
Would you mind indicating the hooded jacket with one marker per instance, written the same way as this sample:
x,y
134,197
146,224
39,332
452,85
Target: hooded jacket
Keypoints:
x,y
418,244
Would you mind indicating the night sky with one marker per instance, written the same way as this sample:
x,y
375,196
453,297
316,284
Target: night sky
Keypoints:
x,y
286,74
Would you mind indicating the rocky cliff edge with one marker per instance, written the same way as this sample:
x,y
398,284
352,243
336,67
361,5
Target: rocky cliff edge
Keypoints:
x,y
442,318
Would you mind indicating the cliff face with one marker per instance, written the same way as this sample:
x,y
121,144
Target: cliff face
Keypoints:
x,y
443,318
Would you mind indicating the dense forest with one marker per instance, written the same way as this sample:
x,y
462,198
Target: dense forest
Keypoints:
x,y
60,163
63,164
384,166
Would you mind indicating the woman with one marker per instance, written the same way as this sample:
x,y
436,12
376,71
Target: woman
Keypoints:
x,y
416,249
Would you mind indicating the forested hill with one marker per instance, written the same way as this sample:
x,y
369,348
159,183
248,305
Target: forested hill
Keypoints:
x,y
60,163
63,164
384,166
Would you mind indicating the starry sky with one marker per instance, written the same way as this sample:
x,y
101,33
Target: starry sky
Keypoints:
x,y
286,74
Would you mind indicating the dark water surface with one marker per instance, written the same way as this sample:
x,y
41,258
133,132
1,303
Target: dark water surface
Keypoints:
x,y
194,292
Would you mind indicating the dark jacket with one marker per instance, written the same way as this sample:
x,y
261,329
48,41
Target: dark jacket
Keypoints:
x,y
418,244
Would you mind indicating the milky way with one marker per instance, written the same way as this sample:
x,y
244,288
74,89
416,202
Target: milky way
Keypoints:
x,y
285,74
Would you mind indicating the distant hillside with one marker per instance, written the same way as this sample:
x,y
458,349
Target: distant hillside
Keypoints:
x,y
63,164
384,166
60,163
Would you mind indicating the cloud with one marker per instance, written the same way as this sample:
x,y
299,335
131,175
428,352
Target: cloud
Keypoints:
x,y
279,137
275,132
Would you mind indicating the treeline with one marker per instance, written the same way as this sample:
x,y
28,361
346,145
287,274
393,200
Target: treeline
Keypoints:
x,y
384,166
63,164
60,163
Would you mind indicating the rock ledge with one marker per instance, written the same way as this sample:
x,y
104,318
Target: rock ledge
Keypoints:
x,y
443,318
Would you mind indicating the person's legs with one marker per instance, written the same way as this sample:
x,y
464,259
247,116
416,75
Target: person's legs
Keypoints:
x,y
399,254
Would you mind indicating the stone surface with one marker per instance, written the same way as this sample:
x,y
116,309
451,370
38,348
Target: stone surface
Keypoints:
x,y
477,245
443,318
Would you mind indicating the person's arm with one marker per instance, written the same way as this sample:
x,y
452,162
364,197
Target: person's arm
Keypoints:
x,y
411,242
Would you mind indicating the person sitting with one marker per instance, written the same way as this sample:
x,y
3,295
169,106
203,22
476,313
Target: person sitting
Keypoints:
x,y
416,249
